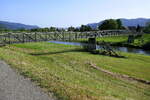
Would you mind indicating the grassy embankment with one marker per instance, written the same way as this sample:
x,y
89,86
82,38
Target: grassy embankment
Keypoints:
x,y
141,42
66,72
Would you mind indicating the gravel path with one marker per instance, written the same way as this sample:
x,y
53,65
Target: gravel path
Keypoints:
x,y
15,87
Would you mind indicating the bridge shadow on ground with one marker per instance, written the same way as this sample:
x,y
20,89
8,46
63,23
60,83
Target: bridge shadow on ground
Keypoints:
x,y
57,52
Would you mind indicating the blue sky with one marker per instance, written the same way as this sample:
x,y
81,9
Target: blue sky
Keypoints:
x,y
64,13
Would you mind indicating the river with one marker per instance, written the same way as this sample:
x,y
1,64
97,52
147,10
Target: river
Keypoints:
x,y
123,49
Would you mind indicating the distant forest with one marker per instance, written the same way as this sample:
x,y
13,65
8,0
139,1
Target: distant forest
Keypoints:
x,y
110,24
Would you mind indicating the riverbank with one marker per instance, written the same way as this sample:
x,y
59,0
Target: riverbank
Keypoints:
x,y
65,71
121,41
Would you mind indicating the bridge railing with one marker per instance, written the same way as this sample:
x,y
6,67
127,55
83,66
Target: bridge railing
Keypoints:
x,y
10,38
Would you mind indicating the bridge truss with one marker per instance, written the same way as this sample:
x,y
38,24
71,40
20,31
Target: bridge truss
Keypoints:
x,y
22,37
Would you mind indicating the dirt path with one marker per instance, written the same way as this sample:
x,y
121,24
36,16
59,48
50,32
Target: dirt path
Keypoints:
x,y
119,75
15,87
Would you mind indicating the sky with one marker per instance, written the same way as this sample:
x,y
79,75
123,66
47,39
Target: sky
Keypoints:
x,y
65,13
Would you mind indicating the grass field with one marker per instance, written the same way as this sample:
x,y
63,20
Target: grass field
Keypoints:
x,y
64,71
122,40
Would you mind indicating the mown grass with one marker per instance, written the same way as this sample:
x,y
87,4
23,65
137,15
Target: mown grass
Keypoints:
x,y
64,70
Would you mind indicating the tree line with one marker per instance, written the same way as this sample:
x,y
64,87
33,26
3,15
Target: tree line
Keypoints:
x,y
110,24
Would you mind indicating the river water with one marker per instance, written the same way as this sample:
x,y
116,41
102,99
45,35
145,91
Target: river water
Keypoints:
x,y
123,49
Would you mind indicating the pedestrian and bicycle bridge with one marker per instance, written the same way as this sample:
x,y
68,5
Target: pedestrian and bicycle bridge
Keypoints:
x,y
23,37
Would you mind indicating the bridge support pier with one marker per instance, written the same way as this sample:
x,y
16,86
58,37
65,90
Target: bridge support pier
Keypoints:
x,y
91,44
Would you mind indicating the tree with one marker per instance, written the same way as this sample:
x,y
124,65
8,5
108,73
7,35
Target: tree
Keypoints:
x,y
119,24
34,30
53,29
84,28
71,28
138,28
77,30
44,29
110,24
60,29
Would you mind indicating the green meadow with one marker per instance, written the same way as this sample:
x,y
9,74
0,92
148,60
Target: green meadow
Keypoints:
x,y
64,70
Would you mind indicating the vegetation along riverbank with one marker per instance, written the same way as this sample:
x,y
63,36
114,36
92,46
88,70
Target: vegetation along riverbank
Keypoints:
x,y
142,42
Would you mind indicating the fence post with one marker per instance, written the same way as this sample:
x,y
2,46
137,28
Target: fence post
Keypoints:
x,y
9,38
69,36
63,36
23,38
76,35
35,37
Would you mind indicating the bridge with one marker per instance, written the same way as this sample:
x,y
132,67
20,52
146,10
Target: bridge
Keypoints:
x,y
23,37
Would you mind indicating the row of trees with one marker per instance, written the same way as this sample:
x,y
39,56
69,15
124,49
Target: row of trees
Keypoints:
x,y
106,25
110,24
83,28
51,29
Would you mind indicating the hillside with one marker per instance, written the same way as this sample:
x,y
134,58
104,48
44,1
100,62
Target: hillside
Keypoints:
x,y
126,22
14,26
